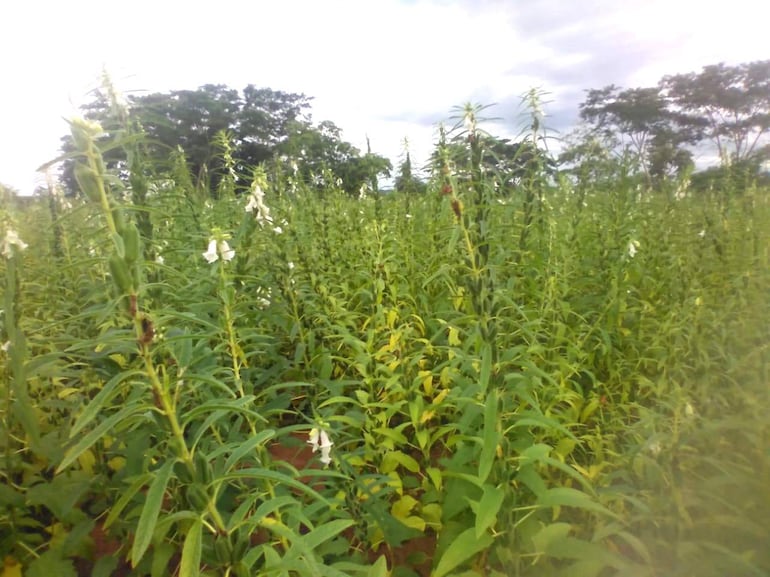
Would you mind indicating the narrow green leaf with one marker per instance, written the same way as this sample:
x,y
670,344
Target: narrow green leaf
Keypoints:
x,y
325,532
568,497
190,564
125,498
22,406
486,367
150,512
247,446
489,506
464,546
97,433
95,406
489,446
258,473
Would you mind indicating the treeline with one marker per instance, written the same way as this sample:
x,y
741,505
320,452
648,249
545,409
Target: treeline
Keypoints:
x,y
218,129
722,111
651,133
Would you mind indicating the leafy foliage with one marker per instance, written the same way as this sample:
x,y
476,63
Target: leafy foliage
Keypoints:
x,y
568,380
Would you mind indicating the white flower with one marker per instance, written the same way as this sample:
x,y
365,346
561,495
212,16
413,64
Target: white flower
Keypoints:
x,y
702,233
632,246
11,239
291,265
654,448
469,120
257,205
218,249
277,230
320,440
5,346
160,260
225,250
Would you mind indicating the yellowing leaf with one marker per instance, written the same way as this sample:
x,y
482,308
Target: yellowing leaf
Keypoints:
x,y
64,393
87,461
11,567
432,515
427,416
454,337
403,507
392,318
440,397
414,522
116,463
435,476
427,381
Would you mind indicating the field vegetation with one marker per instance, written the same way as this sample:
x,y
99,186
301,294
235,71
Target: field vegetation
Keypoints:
x,y
504,369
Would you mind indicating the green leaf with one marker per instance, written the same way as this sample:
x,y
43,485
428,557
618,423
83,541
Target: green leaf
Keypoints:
x,y
190,564
325,532
97,433
161,555
486,367
125,498
150,512
258,473
464,546
51,563
491,501
379,568
97,403
247,446
551,533
393,459
568,497
489,446
22,405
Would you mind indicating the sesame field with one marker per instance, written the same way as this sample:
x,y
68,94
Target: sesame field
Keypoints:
x,y
560,377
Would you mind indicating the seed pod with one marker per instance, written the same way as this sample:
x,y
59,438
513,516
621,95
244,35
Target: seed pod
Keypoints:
x,y
132,243
242,545
203,471
119,218
136,274
197,497
182,472
88,181
120,274
223,550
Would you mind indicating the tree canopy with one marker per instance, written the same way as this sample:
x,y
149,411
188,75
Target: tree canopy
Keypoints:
x,y
727,107
260,124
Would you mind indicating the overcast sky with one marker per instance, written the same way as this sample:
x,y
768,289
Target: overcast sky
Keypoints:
x,y
388,69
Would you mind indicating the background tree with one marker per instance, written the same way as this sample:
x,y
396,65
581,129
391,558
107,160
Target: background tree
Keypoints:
x,y
636,120
728,105
260,124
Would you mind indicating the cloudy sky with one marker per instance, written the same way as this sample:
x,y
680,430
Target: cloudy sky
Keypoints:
x,y
388,69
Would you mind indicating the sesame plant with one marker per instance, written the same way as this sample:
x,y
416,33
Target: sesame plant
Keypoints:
x,y
556,378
